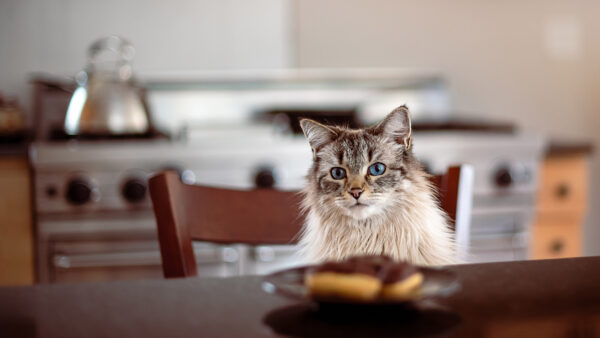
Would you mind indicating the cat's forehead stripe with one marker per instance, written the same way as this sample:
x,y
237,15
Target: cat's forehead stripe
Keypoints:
x,y
355,149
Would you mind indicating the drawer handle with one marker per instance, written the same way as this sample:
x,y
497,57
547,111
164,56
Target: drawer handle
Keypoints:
x,y
557,246
563,191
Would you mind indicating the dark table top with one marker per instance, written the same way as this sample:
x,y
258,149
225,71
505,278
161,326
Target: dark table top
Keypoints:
x,y
552,298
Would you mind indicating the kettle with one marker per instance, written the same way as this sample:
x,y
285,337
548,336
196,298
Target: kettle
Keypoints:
x,y
106,102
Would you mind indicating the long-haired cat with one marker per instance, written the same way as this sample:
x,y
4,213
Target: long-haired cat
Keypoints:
x,y
367,194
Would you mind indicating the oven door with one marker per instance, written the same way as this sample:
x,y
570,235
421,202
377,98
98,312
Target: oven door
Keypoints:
x,y
499,234
93,260
78,249
129,259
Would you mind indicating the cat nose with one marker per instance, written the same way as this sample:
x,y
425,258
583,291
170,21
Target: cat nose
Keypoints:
x,y
356,192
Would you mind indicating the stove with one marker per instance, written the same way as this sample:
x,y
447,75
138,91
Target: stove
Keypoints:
x,y
94,212
94,219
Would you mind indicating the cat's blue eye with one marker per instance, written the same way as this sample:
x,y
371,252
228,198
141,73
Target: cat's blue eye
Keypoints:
x,y
377,169
338,173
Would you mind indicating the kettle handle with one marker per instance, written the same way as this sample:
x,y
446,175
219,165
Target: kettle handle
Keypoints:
x,y
112,54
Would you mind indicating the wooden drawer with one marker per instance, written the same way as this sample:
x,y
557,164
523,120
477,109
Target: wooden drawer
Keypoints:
x,y
563,185
16,231
556,236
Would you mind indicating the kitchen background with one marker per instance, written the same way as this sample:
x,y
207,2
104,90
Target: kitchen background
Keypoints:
x,y
532,63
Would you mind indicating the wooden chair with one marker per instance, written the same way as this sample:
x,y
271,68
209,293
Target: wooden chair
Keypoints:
x,y
455,194
191,212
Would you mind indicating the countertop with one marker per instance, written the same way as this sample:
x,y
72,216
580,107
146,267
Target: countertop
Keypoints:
x,y
14,150
565,147
528,298
14,144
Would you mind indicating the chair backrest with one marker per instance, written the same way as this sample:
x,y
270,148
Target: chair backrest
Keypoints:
x,y
455,194
263,216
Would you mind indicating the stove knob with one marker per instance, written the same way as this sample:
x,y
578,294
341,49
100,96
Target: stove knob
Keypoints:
x,y
79,191
51,191
264,178
503,177
134,190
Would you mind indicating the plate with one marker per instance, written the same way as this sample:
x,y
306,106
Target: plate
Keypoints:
x,y
437,282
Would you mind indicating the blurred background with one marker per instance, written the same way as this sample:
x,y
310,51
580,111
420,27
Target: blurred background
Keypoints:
x,y
214,89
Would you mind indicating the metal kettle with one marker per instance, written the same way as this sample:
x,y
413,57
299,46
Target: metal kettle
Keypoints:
x,y
106,101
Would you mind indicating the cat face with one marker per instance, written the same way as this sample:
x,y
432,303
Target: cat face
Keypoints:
x,y
361,173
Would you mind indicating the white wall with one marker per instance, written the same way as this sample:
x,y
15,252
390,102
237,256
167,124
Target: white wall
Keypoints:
x,y
178,35
533,62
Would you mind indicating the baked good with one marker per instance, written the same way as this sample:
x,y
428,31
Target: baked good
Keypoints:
x,y
354,279
364,278
402,281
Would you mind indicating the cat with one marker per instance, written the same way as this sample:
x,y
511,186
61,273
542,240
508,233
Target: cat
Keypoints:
x,y
367,194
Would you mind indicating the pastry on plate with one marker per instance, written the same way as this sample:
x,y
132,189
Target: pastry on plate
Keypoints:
x,y
353,279
402,281
364,278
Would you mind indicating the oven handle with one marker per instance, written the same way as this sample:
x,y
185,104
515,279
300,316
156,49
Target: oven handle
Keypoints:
x,y
144,258
270,253
138,258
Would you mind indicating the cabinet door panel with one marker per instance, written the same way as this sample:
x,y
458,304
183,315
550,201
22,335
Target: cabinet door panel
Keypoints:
x,y
563,185
16,240
556,236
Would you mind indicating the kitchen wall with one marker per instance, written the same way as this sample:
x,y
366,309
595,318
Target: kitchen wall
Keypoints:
x,y
533,62
169,36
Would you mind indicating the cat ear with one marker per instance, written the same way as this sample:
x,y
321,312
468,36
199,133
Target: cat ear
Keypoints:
x,y
397,126
317,134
